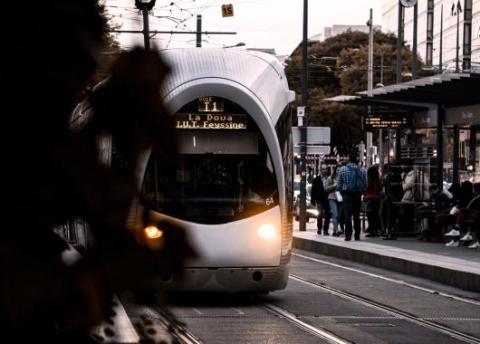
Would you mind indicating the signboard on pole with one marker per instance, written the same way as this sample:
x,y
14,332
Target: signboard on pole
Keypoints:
x,y
318,140
227,10
300,115
315,135
314,150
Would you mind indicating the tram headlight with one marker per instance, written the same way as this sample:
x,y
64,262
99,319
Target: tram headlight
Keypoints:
x,y
266,232
152,232
153,237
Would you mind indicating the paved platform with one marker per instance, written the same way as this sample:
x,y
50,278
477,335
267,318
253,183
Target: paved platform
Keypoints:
x,y
455,266
117,330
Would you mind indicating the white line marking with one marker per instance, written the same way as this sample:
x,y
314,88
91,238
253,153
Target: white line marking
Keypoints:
x,y
393,280
238,311
197,311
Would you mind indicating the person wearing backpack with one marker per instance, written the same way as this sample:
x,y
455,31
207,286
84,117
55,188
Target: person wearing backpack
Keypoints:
x,y
351,182
319,198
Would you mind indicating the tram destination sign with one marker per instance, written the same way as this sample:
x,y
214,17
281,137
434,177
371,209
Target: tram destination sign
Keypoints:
x,y
210,121
386,121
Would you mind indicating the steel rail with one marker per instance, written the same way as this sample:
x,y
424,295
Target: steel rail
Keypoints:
x,y
466,338
177,330
323,334
393,280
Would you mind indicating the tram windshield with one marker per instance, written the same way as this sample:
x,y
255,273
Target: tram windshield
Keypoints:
x,y
221,175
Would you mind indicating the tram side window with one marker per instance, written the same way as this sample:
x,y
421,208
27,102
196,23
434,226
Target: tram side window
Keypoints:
x,y
284,134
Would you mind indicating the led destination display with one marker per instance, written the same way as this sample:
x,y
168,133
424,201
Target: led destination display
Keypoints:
x,y
386,121
210,121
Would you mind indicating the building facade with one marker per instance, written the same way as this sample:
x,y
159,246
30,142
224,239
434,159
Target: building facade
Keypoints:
x,y
432,34
330,31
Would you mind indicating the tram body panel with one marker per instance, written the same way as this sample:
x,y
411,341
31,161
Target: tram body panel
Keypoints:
x,y
260,73
251,242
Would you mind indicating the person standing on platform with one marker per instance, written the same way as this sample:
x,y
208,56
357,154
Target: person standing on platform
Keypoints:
x,y
372,196
319,198
351,182
334,200
393,192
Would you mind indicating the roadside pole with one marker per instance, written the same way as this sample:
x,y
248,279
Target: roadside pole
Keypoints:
x,y
146,29
304,124
369,140
199,30
145,6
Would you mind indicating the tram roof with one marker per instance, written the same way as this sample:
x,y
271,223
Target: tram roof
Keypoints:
x,y
258,72
449,89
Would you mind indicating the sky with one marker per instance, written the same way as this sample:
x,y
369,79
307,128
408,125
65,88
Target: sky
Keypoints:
x,y
270,24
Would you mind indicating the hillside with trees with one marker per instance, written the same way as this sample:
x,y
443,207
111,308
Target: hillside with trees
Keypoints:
x,y
338,66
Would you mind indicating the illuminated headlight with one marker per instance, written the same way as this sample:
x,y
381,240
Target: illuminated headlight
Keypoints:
x,y
152,232
266,232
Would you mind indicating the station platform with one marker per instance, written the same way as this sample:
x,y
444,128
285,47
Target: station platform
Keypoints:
x,y
454,266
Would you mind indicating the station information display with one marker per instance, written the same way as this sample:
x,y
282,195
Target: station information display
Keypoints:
x,y
386,121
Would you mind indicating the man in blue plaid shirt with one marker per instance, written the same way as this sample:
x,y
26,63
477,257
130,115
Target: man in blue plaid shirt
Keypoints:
x,y
351,182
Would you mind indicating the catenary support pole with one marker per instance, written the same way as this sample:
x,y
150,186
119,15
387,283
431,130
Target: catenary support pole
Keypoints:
x,y
456,153
199,30
303,128
399,43
440,117
415,34
146,29
440,59
369,138
457,53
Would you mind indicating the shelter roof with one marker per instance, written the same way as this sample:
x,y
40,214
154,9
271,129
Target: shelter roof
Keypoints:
x,y
450,90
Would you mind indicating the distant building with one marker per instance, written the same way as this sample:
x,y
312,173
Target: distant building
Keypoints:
x,y
338,29
390,24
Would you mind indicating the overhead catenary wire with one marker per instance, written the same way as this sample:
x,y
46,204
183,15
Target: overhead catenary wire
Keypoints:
x,y
185,14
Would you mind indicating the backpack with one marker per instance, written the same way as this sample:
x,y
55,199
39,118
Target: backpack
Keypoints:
x,y
358,184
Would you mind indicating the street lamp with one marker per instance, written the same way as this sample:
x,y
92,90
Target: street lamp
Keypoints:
x,y
145,6
303,127
456,11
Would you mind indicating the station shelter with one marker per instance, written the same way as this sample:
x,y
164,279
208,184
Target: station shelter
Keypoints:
x,y
411,114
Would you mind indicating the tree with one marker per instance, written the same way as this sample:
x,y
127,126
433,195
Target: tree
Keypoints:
x,y
338,66
112,48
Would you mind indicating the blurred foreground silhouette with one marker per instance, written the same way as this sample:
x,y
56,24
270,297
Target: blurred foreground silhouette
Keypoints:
x,y
53,174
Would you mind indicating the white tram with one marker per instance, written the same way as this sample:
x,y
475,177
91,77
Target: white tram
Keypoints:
x,y
231,189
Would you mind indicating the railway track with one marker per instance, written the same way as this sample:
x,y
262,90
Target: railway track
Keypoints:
x,y
397,313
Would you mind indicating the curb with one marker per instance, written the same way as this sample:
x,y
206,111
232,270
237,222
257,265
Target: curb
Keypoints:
x,y
460,279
